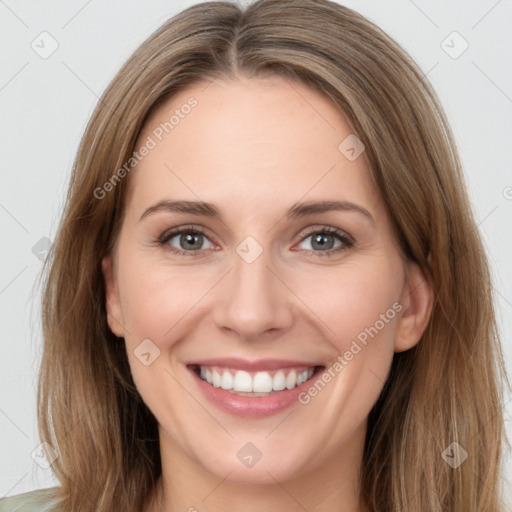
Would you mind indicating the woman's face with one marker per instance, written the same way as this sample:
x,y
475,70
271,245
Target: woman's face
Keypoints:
x,y
290,271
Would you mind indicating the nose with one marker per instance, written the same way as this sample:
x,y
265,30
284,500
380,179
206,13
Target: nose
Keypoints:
x,y
254,300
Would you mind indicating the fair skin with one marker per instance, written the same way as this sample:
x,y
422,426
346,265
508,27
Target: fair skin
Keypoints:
x,y
254,148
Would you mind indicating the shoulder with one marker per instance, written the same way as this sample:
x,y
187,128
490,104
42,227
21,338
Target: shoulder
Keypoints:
x,y
41,500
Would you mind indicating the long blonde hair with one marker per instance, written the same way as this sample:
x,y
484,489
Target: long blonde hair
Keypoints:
x,y
446,389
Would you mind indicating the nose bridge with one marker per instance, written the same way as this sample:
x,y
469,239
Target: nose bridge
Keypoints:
x,y
253,299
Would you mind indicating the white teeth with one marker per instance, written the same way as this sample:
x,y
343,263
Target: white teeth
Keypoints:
x,y
260,382
216,379
291,380
303,377
243,381
278,382
227,380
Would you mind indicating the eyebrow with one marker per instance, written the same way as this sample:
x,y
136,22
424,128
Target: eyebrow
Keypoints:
x,y
298,210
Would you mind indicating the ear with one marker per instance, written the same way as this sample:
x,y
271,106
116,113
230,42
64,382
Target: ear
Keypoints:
x,y
113,304
417,301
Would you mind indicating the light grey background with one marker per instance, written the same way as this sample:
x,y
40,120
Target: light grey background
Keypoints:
x,y
46,102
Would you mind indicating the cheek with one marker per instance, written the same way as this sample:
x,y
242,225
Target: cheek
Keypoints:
x,y
162,302
360,306
354,301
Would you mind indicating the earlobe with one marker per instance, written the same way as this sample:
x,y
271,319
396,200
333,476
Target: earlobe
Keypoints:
x,y
112,302
417,302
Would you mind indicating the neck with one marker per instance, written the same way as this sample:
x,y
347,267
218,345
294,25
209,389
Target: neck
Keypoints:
x,y
330,486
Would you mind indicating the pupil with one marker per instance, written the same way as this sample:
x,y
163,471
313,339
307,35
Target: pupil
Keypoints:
x,y
320,240
190,239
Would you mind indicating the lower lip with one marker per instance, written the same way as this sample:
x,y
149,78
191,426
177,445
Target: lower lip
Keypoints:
x,y
251,407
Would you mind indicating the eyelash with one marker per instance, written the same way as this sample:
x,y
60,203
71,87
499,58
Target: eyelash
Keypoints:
x,y
347,241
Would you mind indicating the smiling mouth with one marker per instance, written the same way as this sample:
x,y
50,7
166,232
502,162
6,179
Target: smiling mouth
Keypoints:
x,y
255,384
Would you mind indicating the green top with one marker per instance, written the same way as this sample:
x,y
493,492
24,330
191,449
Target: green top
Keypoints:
x,y
41,500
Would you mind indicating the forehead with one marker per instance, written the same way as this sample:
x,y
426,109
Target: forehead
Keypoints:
x,y
248,143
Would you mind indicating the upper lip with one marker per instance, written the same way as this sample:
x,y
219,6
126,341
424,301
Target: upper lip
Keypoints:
x,y
252,365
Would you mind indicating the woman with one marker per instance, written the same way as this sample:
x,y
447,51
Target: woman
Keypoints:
x,y
328,341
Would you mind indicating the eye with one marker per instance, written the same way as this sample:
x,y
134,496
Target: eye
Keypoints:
x,y
323,241
190,240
